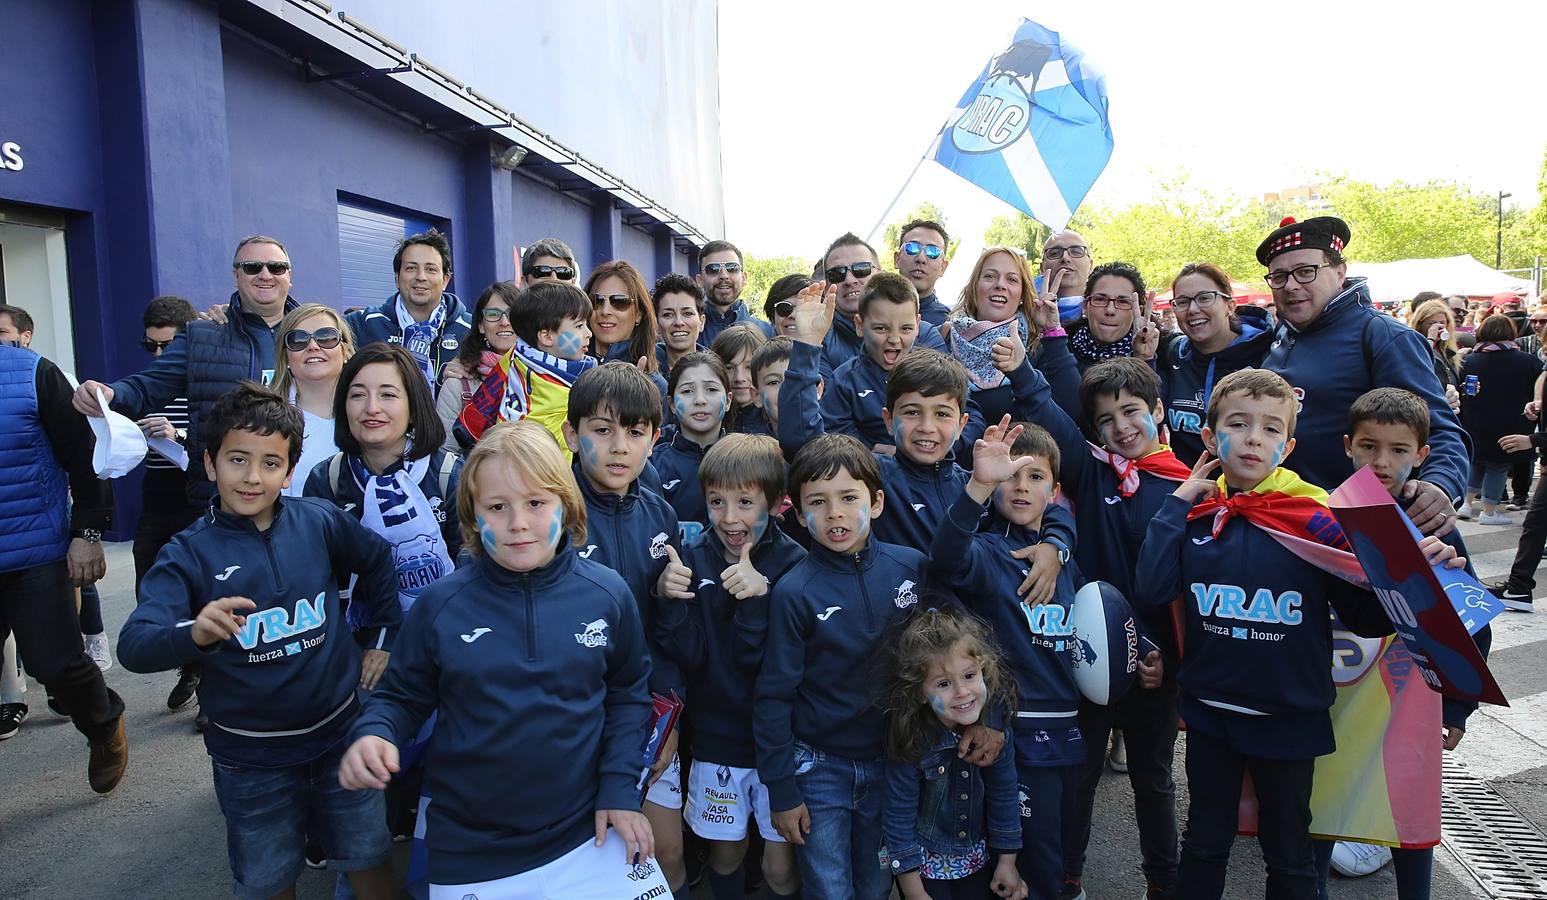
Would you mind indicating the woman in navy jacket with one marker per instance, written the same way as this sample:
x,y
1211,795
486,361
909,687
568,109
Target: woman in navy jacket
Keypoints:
x,y
1506,376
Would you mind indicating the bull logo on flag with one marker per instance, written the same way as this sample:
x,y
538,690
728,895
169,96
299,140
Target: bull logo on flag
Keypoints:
x,y
1001,112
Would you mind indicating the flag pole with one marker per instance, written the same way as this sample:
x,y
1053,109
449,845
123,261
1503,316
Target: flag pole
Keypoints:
x,y
871,236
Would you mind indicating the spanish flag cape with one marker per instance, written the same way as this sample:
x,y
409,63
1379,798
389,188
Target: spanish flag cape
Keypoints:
x,y
1382,784
527,384
1161,463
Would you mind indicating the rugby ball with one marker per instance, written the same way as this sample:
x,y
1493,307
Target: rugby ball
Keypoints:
x,y
1104,648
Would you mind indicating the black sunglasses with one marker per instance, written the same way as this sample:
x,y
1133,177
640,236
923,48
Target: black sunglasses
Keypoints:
x,y
715,268
563,273
860,270
253,267
326,338
784,309
619,302
151,346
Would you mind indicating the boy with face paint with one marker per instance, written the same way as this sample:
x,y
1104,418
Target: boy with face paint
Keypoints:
x,y
1116,489
1016,466
614,420
924,410
1255,686
713,622
817,730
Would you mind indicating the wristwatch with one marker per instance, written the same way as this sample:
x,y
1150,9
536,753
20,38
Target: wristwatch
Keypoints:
x,y
89,535
1063,551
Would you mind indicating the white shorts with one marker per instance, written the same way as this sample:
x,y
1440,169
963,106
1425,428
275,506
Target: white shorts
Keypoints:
x,y
587,872
667,790
723,801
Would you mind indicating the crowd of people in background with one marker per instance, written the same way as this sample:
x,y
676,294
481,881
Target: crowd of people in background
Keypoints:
x,y
456,551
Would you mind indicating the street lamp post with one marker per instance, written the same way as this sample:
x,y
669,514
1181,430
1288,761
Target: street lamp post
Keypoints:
x,y
1498,259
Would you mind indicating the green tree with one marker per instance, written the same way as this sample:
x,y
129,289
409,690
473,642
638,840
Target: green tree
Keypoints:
x,y
1019,231
762,272
892,236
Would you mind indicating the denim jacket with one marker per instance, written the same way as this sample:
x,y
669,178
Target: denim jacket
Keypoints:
x,y
946,805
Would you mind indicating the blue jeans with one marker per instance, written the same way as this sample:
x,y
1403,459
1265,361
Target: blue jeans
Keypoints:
x,y
841,859
1491,478
269,812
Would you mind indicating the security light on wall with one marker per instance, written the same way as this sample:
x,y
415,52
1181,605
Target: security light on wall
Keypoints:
x,y
510,157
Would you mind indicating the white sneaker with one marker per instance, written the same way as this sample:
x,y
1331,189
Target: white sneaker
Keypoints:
x,y
1353,860
1467,511
96,648
1494,518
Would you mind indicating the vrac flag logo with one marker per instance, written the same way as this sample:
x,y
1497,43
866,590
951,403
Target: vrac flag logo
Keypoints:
x,y
1032,129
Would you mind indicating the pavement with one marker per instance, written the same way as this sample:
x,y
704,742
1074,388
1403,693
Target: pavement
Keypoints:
x,y
161,835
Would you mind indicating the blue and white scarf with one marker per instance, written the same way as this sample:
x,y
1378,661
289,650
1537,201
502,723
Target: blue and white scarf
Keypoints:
x,y
395,508
419,337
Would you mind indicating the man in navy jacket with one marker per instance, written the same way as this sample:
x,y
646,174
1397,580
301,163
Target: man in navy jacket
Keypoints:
x,y
1332,346
435,319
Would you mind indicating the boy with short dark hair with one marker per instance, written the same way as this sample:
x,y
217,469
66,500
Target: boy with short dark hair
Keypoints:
x,y
769,363
1255,683
251,592
613,420
818,732
714,623
1017,467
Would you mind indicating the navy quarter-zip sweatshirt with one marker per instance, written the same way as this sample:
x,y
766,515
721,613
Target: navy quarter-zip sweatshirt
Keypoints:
x,y
677,460
1257,630
855,396
718,642
843,343
629,534
827,618
540,682
282,690
1188,376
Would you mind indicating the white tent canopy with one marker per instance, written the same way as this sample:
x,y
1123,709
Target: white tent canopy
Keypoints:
x,y
1401,280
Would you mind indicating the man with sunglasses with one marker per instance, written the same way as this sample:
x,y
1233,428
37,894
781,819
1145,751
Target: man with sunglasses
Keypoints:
x,y
921,258
549,259
722,275
1332,345
850,263
423,317
210,358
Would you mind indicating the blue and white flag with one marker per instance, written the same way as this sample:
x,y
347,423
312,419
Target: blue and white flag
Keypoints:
x,y
1032,129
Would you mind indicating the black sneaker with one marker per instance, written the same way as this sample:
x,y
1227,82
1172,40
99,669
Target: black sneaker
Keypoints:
x,y
315,858
57,708
200,722
11,717
183,691
1071,890
1519,601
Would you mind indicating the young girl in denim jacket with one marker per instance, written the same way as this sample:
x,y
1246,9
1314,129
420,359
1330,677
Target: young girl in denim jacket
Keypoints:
x,y
946,818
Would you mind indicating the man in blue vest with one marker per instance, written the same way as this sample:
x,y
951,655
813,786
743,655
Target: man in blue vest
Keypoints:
x,y
210,358
52,542
428,321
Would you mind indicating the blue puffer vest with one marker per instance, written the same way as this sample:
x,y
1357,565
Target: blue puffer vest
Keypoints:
x,y
34,492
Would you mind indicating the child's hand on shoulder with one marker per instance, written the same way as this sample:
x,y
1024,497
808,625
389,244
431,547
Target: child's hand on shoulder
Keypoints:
x,y
1008,352
632,826
992,453
676,581
742,580
1436,551
220,619
1201,485
368,764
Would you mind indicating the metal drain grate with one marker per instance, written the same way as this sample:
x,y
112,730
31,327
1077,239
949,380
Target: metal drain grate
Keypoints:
x,y
1505,853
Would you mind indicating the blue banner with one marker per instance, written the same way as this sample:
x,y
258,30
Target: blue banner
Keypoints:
x,y
1032,129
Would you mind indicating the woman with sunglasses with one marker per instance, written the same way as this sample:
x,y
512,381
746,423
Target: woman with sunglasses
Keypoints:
x,y
1217,338
623,318
314,343
492,335
779,305
997,302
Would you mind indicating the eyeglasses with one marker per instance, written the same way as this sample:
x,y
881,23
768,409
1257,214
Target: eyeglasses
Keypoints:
x,y
1100,301
859,269
930,251
1078,251
717,268
1304,274
151,346
784,309
563,273
619,302
326,338
1202,300
1536,322
495,314
253,267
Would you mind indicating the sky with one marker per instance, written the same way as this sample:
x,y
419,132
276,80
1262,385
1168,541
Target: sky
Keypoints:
x,y
826,107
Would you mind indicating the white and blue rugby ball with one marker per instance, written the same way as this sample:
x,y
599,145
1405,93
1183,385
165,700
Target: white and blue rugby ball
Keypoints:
x,y
1105,646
